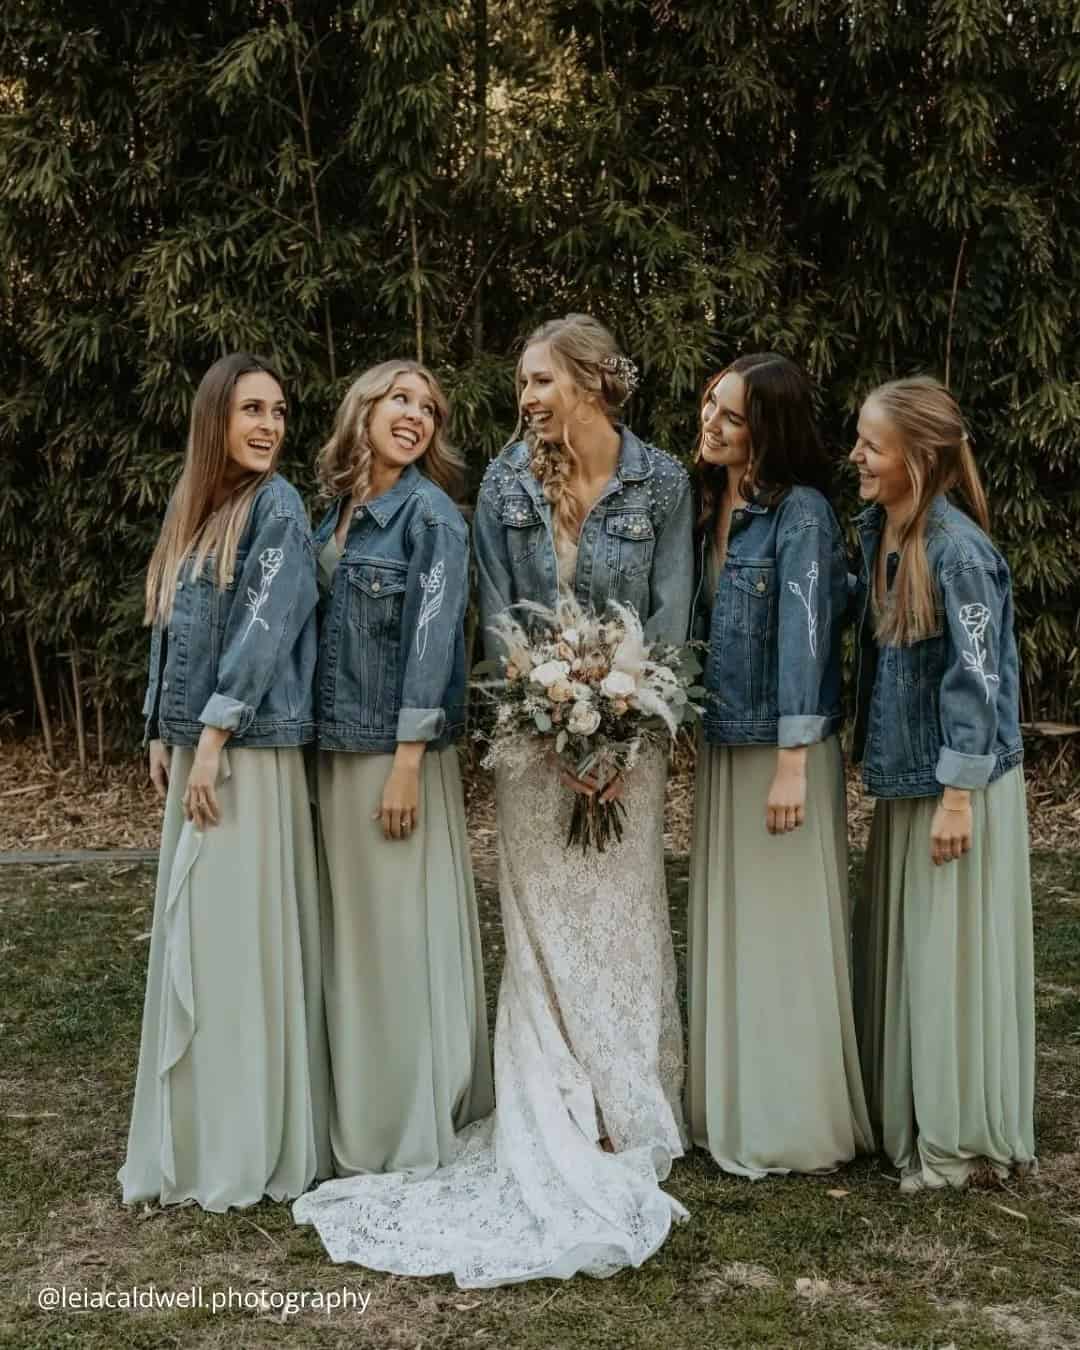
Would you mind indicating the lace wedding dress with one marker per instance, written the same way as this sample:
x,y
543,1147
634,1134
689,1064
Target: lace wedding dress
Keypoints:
x,y
587,1045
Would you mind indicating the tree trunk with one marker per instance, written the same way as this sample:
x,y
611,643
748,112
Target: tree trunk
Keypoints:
x,y
39,696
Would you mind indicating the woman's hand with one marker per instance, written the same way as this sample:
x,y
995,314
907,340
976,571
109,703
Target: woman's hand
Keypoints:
x,y
399,809
785,806
590,784
952,827
160,759
200,795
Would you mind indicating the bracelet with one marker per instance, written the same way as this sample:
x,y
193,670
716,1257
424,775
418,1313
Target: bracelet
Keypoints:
x,y
954,809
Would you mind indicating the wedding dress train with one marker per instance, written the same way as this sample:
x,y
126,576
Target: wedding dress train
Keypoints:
x,y
588,1045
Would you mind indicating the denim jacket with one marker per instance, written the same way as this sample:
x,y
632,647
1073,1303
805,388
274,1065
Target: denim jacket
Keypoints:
x,y
392,629
635,544
772,673
943,711
242,658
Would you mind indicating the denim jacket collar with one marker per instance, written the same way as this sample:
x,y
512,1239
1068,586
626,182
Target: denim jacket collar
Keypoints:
x,y
634,464
384,508
871,521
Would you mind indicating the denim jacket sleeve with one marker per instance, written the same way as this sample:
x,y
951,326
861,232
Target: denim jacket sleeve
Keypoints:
x,y
151,730
671,584
974,603
275,596
805,616
496,591
433,614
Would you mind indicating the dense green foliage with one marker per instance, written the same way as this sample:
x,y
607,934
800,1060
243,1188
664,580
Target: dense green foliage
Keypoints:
x,y
873,186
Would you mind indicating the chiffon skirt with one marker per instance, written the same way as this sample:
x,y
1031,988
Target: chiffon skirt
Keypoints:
x,y
773,1080
231,1095
402,969
945,989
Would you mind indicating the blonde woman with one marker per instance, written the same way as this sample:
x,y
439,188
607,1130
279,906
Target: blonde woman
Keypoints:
x,y
588,1054
943,944
231,1094
403,977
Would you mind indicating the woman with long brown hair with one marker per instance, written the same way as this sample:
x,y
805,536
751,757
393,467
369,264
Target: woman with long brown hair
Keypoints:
x,y
230,1099
773,1080
943,944
403,975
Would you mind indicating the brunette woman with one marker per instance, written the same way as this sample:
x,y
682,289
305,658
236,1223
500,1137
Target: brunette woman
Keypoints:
x,y
230,1100
773,1070
944,981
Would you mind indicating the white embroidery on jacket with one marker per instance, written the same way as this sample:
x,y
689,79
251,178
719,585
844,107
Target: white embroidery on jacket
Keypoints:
x,y
270,560
809,601
434,589
975,619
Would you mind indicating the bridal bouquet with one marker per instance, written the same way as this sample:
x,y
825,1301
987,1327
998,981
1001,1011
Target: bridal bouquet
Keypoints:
x,y
592,687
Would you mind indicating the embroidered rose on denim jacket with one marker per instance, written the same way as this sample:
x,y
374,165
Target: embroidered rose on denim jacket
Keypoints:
x,y
270,560
975,619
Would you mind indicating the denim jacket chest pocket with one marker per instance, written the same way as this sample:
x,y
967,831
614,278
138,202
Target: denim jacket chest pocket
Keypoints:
x,y
211,603
376,596
753,597
923,662
631,542
523,525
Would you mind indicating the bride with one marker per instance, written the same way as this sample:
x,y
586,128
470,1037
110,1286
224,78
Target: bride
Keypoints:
x,y
563,1178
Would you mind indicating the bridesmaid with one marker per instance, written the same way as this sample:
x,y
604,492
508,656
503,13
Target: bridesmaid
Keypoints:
x,y
403,978
230,1099
944,978
773,1072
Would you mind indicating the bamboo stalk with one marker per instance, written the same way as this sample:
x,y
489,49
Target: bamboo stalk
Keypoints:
x,y
63,700
952,307
418,300
99,713
39,696
304,99
76,698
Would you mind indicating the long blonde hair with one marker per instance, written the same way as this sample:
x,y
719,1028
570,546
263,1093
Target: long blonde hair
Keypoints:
x,y
192,526
582,349
938,458
344,463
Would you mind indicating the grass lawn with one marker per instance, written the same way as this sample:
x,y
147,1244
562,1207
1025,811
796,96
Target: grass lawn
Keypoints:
x,y
841,1261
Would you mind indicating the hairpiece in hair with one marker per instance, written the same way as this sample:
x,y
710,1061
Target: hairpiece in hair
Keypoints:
x,y
624,368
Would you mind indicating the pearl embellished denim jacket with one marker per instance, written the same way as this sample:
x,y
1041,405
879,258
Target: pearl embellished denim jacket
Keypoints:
x,y
392,629
242,658
635,544
772,673
944,711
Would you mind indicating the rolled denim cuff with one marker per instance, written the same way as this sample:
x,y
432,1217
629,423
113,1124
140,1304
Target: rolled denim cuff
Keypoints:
x,y
964,771
792,732
227,714
420,724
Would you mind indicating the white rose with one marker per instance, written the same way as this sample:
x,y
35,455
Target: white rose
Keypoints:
x,y
582,693
617,684
549,672
583,719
